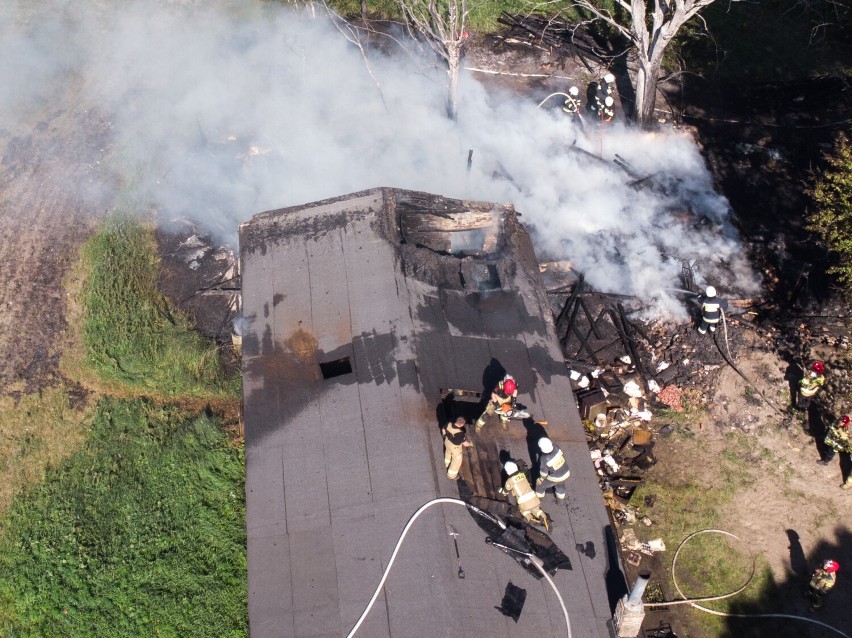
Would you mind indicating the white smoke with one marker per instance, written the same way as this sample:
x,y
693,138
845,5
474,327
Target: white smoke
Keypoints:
x,y
220,113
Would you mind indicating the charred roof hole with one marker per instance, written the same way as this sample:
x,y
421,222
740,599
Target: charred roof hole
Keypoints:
x,y
336,368
487,277
467,242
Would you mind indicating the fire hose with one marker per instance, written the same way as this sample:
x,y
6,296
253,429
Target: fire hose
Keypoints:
x,y
693,602
730,361
534,559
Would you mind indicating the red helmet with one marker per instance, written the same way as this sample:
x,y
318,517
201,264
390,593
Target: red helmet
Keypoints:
x,y
831,566
509,385
844,421
818,367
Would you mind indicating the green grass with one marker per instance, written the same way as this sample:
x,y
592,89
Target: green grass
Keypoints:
x,y
687,502
131,335
141,532
36,432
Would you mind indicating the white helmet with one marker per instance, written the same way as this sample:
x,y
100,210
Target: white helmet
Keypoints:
x,y
511,468
545,445
710,292
574,91
609,78
609,101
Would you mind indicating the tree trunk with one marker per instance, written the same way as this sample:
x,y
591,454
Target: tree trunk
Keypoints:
x,y
646,94
453,67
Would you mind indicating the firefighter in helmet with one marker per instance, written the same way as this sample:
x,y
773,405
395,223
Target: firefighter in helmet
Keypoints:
x,y
821,583
455,440
809,385
837,440
607,84
502,400
528,503
552,469
711,310
572,102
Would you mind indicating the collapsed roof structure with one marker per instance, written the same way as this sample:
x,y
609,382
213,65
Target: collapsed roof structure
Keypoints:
x,y
370,320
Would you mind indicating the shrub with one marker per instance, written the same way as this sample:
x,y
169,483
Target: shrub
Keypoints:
x,y
832,218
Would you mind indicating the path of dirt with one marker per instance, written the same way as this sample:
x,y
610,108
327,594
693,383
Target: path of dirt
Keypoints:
x,y
46,212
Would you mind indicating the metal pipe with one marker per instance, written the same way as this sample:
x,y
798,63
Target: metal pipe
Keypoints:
x,y
638,590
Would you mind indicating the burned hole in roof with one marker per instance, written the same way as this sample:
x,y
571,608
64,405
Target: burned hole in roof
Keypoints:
x,y
336,368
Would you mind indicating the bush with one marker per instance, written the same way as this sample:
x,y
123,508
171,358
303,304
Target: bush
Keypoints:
x,y
831,219
141,532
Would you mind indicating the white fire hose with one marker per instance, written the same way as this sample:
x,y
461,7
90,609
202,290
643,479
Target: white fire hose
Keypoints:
x,y
534,559
693,602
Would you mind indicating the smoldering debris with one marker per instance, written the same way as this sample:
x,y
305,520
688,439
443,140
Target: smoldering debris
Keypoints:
x,y
222,113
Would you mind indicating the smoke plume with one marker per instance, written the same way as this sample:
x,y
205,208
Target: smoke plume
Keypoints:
x,y
221,112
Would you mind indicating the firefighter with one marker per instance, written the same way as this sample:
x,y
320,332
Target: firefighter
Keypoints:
x,y
529,504
711,310
572,102
603,106
837,440
821,583
502,399
455,440
607,84
810,385
552,469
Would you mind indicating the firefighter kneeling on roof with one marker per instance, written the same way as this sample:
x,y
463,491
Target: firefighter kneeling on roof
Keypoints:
x,y
502,399
529,504
552,470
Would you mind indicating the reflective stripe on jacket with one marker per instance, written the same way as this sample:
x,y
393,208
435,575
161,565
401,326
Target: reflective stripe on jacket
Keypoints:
x,y
822,580
553,465
809,385
520,488
710,311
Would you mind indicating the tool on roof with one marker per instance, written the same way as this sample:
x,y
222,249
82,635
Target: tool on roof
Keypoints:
x,y
455,536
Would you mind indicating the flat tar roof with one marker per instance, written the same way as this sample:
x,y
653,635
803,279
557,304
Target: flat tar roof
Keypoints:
x,y
361,311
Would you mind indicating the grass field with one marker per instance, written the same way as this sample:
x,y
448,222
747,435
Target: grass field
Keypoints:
x,y
140,532
123,500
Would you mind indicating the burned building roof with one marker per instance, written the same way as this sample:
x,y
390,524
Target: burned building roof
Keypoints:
x,y
370,320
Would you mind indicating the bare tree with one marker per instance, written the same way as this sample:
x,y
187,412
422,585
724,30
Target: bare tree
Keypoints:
x,y
650,35
442,24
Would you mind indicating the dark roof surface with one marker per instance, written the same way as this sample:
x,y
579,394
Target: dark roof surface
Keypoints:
x,y
336,466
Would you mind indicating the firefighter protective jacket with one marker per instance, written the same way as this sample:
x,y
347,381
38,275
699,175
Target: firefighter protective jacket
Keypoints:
x,y
519,486
822,581
809,385
837,438
711,308
455,435
553,465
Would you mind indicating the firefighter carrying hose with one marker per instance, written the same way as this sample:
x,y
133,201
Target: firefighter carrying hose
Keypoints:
x,y
553,469
711,310
809,385
503,395
528,503
572,102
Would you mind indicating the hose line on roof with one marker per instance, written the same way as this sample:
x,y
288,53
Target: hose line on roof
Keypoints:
x,y
408,525
693,602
